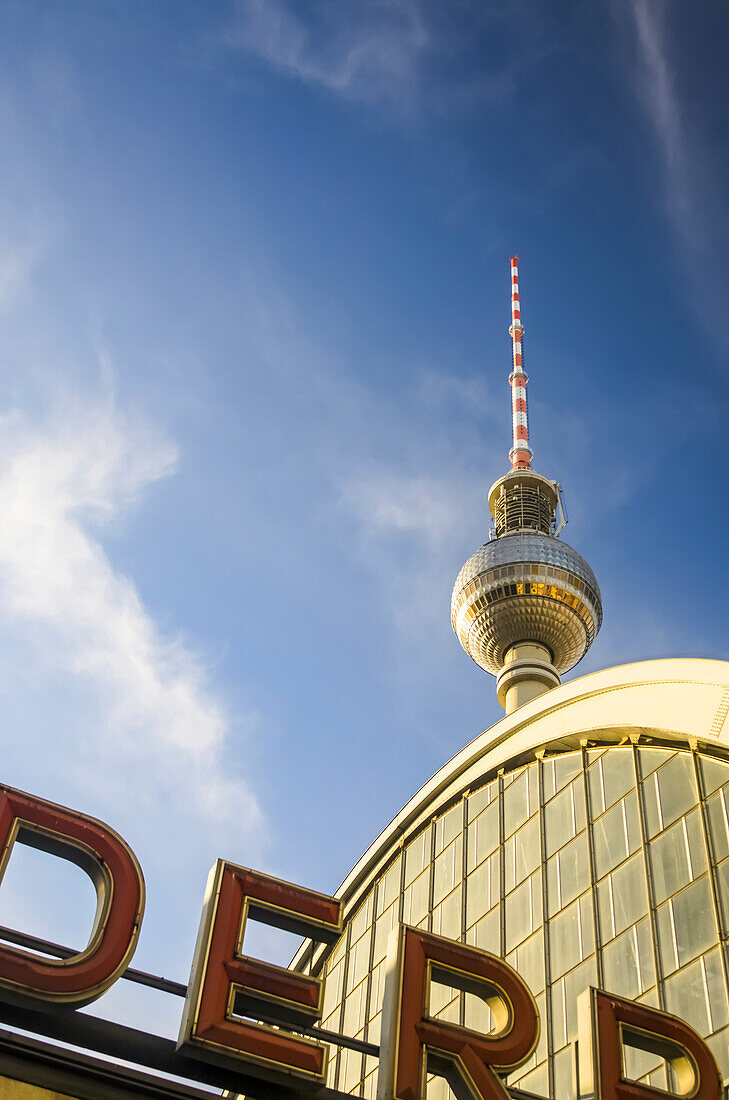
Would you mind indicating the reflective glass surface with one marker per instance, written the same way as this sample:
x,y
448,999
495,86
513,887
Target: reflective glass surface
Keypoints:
x,y
606,866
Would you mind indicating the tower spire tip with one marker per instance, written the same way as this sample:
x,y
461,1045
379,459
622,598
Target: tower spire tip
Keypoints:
x,y
520,454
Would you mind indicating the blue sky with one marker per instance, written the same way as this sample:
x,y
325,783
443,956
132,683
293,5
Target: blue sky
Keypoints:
x,y
254,299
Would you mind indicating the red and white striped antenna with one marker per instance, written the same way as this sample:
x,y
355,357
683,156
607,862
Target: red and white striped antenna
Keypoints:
x,y
520,454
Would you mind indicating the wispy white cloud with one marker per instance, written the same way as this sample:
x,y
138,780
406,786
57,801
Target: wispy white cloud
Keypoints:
x,y
391,502
696,209
366,51
63,480
409,530
661,103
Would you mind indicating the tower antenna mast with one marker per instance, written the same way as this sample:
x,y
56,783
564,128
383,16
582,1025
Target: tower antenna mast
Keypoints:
x,y
520,454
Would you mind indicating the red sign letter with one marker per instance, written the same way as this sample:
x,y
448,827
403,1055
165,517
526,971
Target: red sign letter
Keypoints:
x,y
224,984
112,867
414,1043
608,1023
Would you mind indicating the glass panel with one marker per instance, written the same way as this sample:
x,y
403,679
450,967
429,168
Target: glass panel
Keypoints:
x,y
606,909
447,916
479,1016
696,844
714,773
437,1089
448,827
339,951
723,877
480,799
332,1070
640,1065
559,1014
389,886
574,868
596,788
483,835
417,856
564,1074
629,893
416,900
541,1051
622,898
554,895
587,925
536,1082
686,997
377,990
652,806
516,803
564,817
333,989
628,962
694,920
521,914
350,1070
574,984
522,853
487,933
716,989
670,793
439,996
371,1066
670,862
359,960
650,759
383,927
718,825
560,770
448,870
510,864
361,919
618,774
719,1047
565,940
616,834
529,962
354,1010
566,766
482,890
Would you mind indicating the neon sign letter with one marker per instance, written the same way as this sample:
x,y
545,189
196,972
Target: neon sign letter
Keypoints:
x,y
117,876
225,984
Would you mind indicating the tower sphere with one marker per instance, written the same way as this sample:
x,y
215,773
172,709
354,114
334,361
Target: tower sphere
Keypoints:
x,y
526,587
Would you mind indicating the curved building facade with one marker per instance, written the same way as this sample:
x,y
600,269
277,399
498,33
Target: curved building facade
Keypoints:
x,y
585,839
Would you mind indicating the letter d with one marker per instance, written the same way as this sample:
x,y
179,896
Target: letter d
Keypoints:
x,y
117,876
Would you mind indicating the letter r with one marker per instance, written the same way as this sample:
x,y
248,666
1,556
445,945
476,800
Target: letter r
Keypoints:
x,y
608,1023
415,1043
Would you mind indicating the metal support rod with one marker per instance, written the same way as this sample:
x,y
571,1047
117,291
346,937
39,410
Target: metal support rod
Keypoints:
x,y
177,989
45,947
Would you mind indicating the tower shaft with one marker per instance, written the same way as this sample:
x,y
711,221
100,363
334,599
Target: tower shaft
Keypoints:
x,y
520,454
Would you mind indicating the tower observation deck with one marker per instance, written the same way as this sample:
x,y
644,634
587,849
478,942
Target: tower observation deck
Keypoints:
x,y
526,606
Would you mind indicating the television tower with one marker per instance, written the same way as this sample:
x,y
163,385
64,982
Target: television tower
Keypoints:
x,y
526,606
